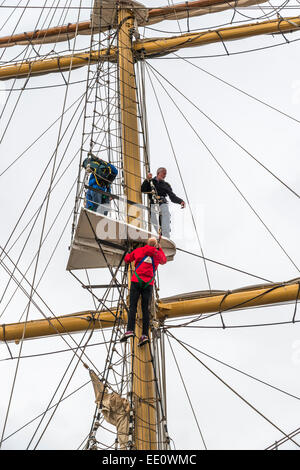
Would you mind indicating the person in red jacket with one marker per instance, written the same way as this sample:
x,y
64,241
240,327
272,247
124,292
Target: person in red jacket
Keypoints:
x,y
146,260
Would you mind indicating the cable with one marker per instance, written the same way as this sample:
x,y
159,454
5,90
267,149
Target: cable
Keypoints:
x,y
230,179
183,383
237,394
222,264
174,154
283,440
226,133
239,89
241,371
57,388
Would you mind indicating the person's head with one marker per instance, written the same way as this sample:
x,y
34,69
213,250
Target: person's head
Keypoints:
x,y
161,173
152,241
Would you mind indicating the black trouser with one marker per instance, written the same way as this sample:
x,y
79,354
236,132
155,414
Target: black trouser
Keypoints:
x,y
135,291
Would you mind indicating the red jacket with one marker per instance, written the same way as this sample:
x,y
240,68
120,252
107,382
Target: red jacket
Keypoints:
x,y
145,270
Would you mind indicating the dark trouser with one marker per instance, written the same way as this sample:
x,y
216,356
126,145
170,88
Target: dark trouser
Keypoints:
x,y
135,291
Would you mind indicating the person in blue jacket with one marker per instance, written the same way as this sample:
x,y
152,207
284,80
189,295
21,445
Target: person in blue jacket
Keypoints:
x,y
102,175
95,199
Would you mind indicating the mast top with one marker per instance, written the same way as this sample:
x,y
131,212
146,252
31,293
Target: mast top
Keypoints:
x,y
105,13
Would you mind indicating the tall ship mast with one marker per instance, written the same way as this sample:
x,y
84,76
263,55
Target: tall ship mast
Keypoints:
x,y
65,304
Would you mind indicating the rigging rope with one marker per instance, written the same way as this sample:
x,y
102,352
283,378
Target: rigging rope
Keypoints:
x,y
187,394
240,371
224,132
227,175
222,264
236,393
234,87
184,188
58,386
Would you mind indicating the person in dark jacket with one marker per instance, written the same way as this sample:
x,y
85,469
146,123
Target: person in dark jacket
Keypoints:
x,y
158,190
146,260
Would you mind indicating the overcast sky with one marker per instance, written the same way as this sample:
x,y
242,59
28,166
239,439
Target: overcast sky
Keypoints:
x,y
228,229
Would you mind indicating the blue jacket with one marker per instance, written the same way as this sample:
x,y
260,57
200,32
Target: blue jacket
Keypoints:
x,y
103,186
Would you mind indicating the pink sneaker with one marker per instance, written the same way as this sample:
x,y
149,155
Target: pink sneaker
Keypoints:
x,y
143,340
128,334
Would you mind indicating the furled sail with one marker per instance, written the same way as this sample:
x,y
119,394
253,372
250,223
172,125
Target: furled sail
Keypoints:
x,y
197,8
103,18
114,408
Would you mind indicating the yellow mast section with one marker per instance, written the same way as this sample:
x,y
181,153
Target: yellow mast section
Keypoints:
x,y
243,298
143,385
150,47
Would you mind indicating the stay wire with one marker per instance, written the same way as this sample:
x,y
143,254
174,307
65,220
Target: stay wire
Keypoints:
x,y
41,135
159,399
62,395
41,414
46,169
98,69
46,236
36,187
57,388
113,339
26,78
263,382
52,313
49,191
187,394
230,179
236,10
174,154
222,264
35,272
234,87
225,132
283,440
98,241
235,392
50,353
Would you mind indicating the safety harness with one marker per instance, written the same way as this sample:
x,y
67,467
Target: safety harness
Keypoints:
x,y
142,283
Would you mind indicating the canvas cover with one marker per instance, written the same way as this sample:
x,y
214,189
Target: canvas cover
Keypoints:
x,y
115,409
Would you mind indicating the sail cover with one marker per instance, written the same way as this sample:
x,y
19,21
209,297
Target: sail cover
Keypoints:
x,y
104,17
105,13
115,409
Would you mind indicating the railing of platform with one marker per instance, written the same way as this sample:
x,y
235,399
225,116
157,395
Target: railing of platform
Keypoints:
x,y
123,210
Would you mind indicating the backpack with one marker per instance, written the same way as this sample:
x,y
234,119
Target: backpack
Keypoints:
x,y
100,168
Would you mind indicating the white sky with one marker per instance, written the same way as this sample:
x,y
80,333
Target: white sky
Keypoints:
x,y
229,232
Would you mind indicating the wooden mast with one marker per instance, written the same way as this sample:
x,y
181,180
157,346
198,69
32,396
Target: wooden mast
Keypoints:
x,y
142,369
143,379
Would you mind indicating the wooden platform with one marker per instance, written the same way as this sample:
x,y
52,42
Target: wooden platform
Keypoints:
x,y
113,235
